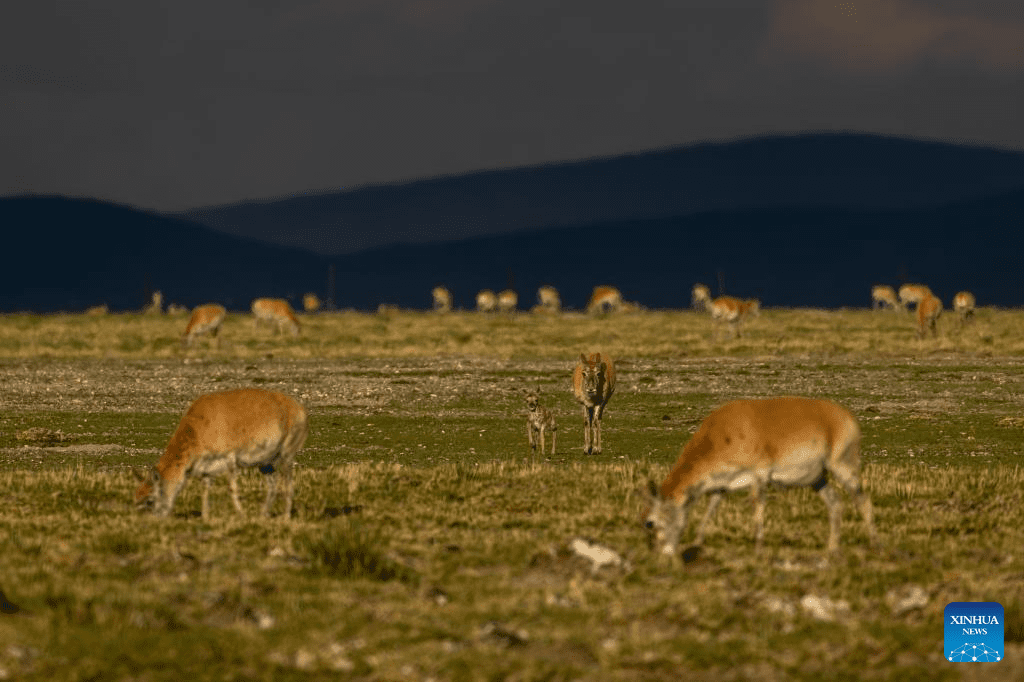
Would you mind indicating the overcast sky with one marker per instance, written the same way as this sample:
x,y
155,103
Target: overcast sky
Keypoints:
x,y
202,103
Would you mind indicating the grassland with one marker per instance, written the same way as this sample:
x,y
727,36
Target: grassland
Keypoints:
x,y
427,544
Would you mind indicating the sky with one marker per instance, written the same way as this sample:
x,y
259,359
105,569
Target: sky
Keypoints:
x,y
194,104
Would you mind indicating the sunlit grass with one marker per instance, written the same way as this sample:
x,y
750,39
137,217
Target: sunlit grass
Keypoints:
x,y
421,334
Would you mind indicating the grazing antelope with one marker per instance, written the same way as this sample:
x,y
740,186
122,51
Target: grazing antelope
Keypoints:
x,y
751,444
442,300
604,299
928,311
913,293
507,301
548,299
593,382
883,296
97,310
176,310
311,303
486,301
276,312
539,420
221,433
700,297
733,312
963,304
206,319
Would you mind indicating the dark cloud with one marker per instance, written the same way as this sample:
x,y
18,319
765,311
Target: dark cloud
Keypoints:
x,y
197,103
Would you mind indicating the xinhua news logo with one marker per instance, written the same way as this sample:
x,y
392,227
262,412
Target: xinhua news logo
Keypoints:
x,y
974,632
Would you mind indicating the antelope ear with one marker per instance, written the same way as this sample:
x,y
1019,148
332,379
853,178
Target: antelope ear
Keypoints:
x,y
583,359
139,476
652,489
154,476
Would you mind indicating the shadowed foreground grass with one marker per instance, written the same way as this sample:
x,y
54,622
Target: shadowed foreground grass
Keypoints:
x,y
462,572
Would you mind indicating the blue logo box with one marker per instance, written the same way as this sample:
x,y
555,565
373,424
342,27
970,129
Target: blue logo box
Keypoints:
x,y
973,632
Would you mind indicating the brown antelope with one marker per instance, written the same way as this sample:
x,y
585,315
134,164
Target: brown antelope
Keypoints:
x,y
507,301
753,444
97,310
276,312
604,299
311,303
539,420
963,304
700,297
486,301
913,293
928,311
593,382
733,312
548,299
883,296
221,433
206,319
442,300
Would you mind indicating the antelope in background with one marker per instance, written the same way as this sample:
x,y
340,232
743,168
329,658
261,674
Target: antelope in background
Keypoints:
x,y
753,444
222,433
486,301
593,382
732,312
507,301
276,312
604,299
155,306
700,298
928,311
311,303
442,300
963,304
548,299
205,319
884,296
913,293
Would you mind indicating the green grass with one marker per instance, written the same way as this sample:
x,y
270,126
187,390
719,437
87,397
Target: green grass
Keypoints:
x,y
427,543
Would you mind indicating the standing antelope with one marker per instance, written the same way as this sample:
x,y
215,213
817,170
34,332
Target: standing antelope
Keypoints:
x,y
593,382
754,443
507,301
700,297
539,420
486,301
221,433
883,296
928,311
206,319
277,312
311,303
155,306
548,299
733,312
963,304
442,300
913,293
604,299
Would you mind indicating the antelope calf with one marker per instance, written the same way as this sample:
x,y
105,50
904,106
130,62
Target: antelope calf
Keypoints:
x,y
222,433
593,382
205,319
539,420
753,444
